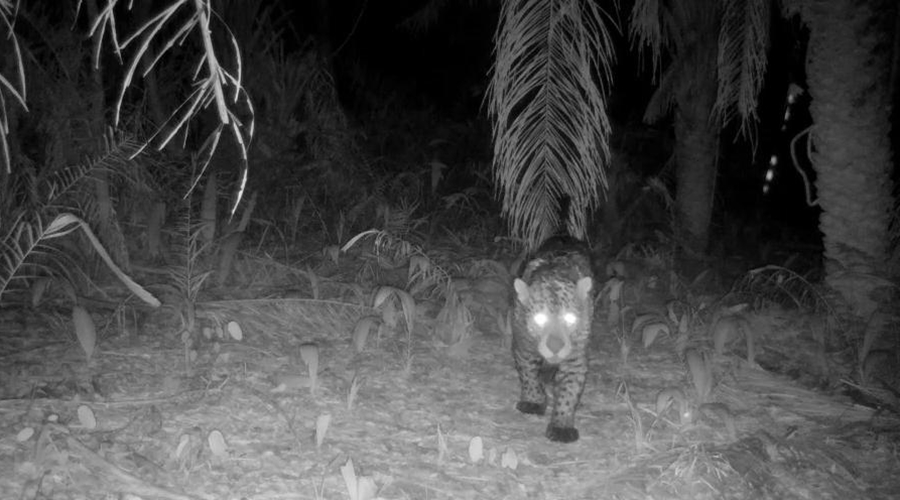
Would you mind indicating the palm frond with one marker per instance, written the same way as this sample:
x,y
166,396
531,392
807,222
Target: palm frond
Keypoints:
x,y
8,12
116,157
684,29
17,190
743,47
663,97
425,17
547,99
687,31
25,238
215,85
188,272
15,246
26,247
647,32
253,24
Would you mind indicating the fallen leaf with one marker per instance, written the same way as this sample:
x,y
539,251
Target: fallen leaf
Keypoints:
x,y
476,449
86,417
217,443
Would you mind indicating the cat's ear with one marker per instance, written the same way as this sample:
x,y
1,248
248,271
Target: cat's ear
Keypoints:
x,y
583,288
521,290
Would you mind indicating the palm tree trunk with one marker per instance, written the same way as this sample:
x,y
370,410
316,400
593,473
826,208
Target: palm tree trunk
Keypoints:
x,y
696,141
696,155
848,75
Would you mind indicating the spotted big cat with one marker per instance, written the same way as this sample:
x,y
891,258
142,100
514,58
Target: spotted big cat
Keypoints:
x,y
551,328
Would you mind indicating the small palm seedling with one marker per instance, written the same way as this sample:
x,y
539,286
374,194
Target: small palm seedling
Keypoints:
x,y
456,322
358,487
391,302
361,331
84,330
683,316
186,280
611,295
779,285
392,247
353,390
322,423
701,374
731,325
650,327
442,445
673,398
309,354
640,436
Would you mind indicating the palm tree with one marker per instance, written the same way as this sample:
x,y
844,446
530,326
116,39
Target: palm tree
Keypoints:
x,y
717,53
550,119
718,59
215,85
849,78
27,226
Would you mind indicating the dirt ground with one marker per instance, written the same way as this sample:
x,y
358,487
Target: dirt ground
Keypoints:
x,y
144,418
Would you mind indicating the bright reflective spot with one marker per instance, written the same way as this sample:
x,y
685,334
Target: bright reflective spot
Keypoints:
x,y
540,319
570,318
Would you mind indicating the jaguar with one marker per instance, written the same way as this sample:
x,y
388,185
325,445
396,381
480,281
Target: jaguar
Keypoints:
x,y
551,328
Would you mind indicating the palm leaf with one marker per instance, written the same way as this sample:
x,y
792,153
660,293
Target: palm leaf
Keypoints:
x,y
663,98
26,237
8,12
25,249
743,47
16,245
115,157
426,16
740,28
547,99
114,161
685,30
646,32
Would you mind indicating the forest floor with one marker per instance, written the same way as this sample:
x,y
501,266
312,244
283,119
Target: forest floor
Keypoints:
x,y
399,416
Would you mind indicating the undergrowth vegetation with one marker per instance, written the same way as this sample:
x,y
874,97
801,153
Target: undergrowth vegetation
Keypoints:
x,y
249,198
382,204
325,214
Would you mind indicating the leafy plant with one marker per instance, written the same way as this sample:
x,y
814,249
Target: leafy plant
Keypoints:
x,y
213,82
391,302
187,276
30,244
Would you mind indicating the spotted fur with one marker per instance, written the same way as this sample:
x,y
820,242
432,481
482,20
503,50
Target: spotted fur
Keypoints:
x,y
551,327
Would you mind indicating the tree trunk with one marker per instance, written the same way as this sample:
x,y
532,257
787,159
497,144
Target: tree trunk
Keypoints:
x,y
848,75
696,155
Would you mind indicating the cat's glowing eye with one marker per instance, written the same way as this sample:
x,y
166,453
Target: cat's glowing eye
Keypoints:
x,y
570,318
540,319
